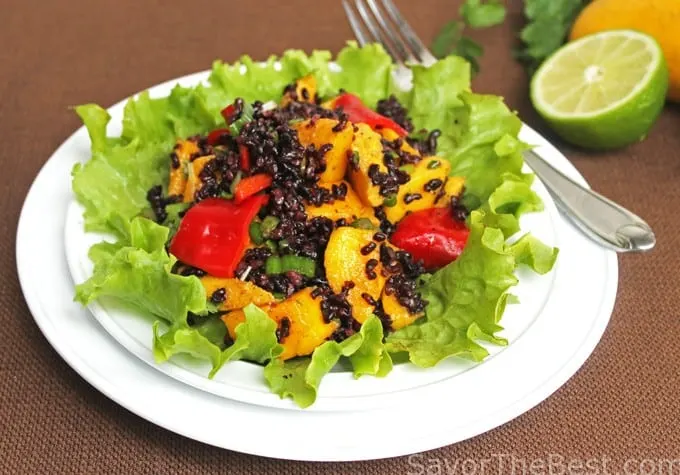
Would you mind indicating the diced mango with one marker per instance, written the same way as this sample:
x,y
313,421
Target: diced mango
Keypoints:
x,y
423,173
320,133
367,150
305,91
350,209
306,326
238,293
399,315
454,187
391,135
329,104
233,319
184,150
345,262
193,179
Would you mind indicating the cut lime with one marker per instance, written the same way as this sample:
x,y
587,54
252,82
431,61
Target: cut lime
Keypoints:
x,y
602,91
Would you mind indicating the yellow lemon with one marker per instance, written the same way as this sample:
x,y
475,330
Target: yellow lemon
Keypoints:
x,y
658,18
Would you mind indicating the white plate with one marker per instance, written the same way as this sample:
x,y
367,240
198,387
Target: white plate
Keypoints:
x,y
557,335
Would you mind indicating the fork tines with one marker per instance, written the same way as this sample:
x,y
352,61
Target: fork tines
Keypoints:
x,y
380,21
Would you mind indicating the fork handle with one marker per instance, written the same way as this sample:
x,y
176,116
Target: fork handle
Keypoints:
x,y
604,221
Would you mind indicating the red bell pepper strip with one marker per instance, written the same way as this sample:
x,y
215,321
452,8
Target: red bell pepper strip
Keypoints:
x,y
251,185
216,136
213,235
358,112
228,113
431,235
244,157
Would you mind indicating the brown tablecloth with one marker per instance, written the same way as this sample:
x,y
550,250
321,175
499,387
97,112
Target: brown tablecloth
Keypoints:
x,y
623,405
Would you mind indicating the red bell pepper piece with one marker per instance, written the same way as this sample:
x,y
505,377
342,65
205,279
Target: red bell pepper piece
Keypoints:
x,y
431,235
251,185
228,113
358,112
216,136
244,157
213,235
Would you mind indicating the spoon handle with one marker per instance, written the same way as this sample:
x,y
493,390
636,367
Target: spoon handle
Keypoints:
x,y
602,220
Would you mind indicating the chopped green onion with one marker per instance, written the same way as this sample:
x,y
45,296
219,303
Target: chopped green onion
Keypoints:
x,y
283,245
273,265
256,233
390,201
246,116
363,223
269,224
271,245
407,168
302,265
355,158
433,164
237,179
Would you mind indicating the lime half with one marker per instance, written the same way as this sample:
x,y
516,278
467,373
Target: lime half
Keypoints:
x,y
602,91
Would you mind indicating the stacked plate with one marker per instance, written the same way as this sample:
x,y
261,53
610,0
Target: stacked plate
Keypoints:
x,y
554,328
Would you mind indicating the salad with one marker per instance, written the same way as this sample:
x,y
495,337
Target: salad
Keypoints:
x,y
298,211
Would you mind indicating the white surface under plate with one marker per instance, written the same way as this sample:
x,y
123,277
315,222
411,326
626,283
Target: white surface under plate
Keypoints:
x,y
552,331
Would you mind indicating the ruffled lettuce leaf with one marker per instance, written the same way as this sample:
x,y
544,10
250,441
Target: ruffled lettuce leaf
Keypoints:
x,y
255,340
366,72
138,273
512,198
531,252
300,378
467,298
485,121
478,137
371,357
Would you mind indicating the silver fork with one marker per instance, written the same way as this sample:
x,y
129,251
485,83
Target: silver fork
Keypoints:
x,y
604,221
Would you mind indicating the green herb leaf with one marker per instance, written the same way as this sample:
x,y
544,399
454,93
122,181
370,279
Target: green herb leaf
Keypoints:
x,y
548,24
445,41
482,14
470,50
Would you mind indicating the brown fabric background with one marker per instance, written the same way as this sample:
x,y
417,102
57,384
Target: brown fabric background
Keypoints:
x,y
623,404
